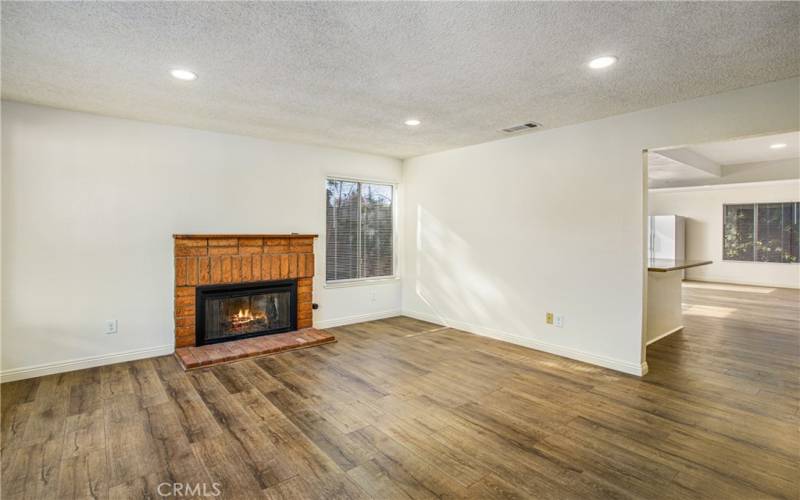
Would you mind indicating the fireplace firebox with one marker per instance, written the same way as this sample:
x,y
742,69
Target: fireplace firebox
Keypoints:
x,y
243,310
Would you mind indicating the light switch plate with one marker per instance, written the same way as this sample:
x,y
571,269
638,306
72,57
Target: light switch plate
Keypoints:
x,y
111,326
559,321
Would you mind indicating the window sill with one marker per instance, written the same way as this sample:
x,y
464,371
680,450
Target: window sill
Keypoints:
x,y
362,282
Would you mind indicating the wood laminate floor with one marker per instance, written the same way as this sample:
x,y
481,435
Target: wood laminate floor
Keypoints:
x,y
400,408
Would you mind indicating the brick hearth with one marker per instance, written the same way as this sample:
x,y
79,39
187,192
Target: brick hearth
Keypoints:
x,y
224,352
210,259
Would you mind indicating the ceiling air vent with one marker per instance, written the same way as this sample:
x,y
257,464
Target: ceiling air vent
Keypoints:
x,y
519,128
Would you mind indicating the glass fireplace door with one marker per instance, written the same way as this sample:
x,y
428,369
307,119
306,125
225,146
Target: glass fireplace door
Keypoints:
x,y
231,312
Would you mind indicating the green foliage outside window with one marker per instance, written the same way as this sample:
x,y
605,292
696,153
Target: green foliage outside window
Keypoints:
x,y
762,232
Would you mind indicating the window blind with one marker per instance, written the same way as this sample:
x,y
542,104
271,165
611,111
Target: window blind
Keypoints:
x,y
360,230
762,232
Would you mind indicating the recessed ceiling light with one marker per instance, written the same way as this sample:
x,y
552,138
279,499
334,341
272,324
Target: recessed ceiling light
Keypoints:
x,y
780,145
602,62
413,122
183,74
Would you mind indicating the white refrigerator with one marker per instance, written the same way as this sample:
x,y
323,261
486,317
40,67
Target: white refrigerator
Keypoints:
x,y
667,237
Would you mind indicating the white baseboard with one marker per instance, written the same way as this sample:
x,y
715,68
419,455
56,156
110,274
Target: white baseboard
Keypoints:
x,y
619,365
81,363
430,318
665,335
357,318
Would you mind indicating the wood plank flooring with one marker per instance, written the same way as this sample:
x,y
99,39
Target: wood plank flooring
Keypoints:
x,y
400,408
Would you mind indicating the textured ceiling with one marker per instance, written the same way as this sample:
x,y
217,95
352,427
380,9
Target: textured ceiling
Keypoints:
x,y
349,74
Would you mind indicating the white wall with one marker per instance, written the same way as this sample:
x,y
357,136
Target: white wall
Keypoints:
x,y
702,208
89,206
499,233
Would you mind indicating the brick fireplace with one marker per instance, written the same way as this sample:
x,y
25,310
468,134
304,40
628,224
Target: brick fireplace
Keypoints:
x,y
209,259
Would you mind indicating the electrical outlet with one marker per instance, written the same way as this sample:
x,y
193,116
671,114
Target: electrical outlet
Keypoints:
x,y
549,318
559,321
111,326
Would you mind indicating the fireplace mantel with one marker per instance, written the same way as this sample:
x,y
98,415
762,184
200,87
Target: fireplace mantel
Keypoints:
x,y
206,236
215,259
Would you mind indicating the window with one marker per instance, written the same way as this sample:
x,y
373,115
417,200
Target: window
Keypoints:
x,y
761,232
360,230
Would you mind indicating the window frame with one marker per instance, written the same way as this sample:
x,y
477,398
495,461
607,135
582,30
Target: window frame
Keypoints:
x,y
755,232
395,238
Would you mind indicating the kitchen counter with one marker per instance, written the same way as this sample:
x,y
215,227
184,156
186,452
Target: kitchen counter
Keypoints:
x,y
664,313
664,265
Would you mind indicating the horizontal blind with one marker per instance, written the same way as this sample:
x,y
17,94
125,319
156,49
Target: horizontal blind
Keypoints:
x,y
360,230
769,240
377,253
738,229
341,254
762,232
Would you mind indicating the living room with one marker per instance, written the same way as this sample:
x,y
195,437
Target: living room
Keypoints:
x,y
383,250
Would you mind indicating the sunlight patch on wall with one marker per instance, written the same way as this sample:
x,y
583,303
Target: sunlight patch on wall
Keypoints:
x,y
449,279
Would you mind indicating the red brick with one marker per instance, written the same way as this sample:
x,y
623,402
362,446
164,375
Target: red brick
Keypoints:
x,y
273,249
300,242
236,269
190,251
186,357
218,353
292,265
247,268
271,242
284,266
185,291
275,264
203,270
266,267
223,250
223,242
237,350
309,266
184,331
184,310
256,264
190,242
216,270
184,341
191,271
185,321
251,242
226,269
185,300
201,356
180,271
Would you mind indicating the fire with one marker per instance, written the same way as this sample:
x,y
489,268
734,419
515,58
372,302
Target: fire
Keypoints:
x,y
245,319
244,315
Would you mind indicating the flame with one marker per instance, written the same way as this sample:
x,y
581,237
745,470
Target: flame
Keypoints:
x,y
244,314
